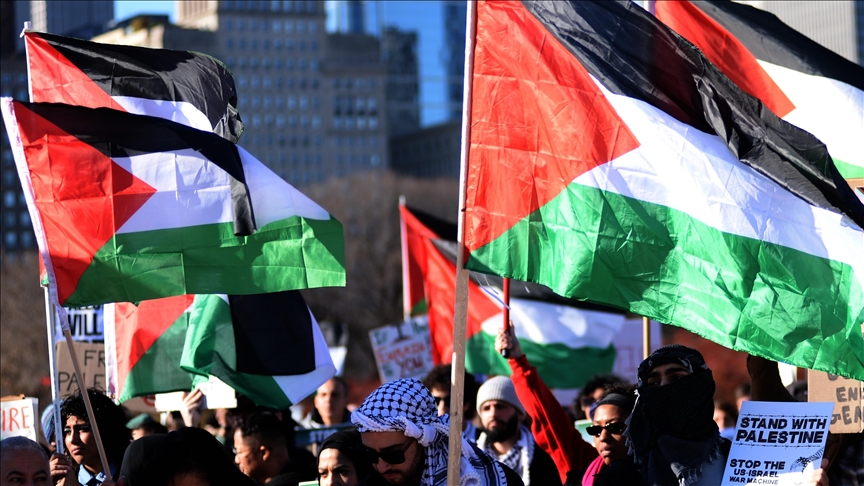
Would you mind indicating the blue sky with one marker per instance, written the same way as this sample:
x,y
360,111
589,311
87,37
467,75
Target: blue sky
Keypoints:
x,y
123,9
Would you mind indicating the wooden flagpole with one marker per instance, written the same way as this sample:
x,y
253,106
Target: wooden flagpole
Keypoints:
x,y
457,394
50,317
406,282
506,290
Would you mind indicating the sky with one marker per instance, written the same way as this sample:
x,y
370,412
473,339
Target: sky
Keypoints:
x,y
123,9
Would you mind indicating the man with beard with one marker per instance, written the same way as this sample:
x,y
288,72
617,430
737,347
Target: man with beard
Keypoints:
x,y
407,441
505,438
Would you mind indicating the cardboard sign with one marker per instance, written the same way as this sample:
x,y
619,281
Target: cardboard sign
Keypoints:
x,y
85,324
91,361
145,404
217,394
847,395
777,443
404,351
18,418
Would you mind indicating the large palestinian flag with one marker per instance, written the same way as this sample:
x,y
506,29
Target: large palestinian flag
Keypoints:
x,y
187,87
568,341
129,208
799,80
610,161
268,347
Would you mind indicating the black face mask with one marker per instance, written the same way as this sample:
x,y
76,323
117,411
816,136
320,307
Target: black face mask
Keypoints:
x,y
683,408
509,429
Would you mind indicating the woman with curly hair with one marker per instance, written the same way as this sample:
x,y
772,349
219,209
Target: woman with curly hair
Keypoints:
x,y
81,466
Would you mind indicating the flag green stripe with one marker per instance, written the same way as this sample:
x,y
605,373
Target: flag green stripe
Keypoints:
x,y
158,370
293,253
849,171
210,350
558,365
742,293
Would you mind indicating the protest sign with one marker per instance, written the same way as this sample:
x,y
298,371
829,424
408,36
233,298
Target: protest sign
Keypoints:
x,y
18,417
85,324
403,351
217,394
145,404
847,395
91,360
777,443
628,347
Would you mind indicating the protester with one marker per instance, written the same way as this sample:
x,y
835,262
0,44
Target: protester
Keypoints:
x,y
742,394
591,391
403,409
23,463
551,427
262,452
672,434
506,439
48,427
82,465
342,461
726,417
613,466
331,405
187,456
438,381
144,425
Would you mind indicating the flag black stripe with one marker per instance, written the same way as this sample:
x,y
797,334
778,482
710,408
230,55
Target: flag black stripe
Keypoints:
x,y
635,55
770,40
120,134
158,74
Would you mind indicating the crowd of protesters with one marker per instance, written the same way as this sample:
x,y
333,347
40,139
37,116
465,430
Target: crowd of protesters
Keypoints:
x,y
664,430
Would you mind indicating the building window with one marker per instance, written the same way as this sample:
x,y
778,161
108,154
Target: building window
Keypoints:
x,y
265,44
268,82
11,239
241,24
280,121
313,27
26,240
301,64
316,102
313,64
289,63
24,219
316,121
253,44
313,46
241,44
289,44
277,44
256,120
375,159
229,24
274,5
372,104
304,122
253,25
289,26
287,5
361,123
301,26
292,102
373,123
301,46
253,62
255,82
292,120
304,102
242,81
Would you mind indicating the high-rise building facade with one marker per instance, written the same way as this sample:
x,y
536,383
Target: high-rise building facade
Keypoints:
x,y
311,102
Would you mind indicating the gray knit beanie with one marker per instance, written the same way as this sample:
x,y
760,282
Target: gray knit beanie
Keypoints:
x,y
499,388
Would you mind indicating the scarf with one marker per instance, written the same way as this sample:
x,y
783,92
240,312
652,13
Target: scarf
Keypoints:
x,y
518,458
407,406
671,432
593,469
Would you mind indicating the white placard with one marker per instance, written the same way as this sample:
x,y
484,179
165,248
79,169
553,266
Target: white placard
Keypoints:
x,y
777,443
402,355
217,394
85,324
18,418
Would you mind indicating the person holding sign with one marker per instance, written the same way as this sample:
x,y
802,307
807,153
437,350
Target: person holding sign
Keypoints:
x,y
672,433
82,465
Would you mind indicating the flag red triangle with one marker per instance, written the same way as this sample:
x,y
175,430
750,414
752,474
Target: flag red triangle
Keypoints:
x,y
724,51
415,233
538,119
82,195
56,79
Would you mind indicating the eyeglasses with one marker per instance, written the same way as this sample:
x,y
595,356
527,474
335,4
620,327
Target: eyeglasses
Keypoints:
x,y
393,457
446,400
616,428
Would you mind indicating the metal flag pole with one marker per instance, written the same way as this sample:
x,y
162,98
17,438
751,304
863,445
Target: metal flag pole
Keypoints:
x,y
457,394
646,337
52,364
406,282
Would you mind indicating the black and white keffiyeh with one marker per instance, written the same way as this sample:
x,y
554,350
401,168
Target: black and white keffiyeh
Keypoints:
x,y
407,406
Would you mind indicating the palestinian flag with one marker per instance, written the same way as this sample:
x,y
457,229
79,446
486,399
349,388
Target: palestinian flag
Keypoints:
x,y
417,226
267,347
612,163
143,346
186,87
802,82
129,208
568,341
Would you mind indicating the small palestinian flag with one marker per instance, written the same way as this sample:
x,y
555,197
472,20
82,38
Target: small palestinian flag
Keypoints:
x,y
267,347
187,87
802,82
567,341
611,162
129,208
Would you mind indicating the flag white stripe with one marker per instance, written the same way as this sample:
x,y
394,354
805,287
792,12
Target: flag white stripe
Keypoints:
x,y
688,170
177,111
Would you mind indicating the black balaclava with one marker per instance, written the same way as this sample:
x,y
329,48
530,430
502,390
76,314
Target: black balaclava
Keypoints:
x,y
671,431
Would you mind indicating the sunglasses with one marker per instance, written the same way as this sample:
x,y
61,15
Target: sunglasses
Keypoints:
x,y
393,457
446,400
616,428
